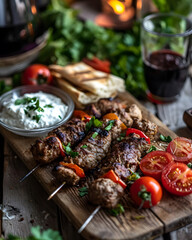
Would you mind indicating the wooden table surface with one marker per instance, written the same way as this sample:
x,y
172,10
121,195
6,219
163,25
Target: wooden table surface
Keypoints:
x,y
23,205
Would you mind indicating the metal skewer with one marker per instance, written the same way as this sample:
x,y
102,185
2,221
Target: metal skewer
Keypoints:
x,y
89,219
29,173
57,190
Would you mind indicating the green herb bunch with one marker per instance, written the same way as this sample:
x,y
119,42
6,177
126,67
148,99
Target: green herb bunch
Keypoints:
x,y
37,234
70,40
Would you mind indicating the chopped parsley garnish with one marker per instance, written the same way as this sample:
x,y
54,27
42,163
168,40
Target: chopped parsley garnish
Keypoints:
x,y
37,117
93,123
48,106
69,151
60,117
83,191
151,149
165,138
32,104
84,146
24,101
110,125
119,209
94,134
122,136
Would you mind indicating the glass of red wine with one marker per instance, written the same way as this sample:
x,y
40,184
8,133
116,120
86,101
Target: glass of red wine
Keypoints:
x,y
166,40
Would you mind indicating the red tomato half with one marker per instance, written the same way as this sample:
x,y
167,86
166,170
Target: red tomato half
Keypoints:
x,y
154,162
146,192
181,149
177,179
36,74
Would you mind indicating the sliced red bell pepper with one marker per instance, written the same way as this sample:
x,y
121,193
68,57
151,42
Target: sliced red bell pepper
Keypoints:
x,y
140,133
82,115
60,145
79,171
111,175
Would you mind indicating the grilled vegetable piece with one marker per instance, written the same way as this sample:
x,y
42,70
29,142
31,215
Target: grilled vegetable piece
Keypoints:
x,y
111,175
139,132
105,192
79,171
47,150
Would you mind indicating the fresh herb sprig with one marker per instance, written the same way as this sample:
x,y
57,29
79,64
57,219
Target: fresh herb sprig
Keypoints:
x,y
110,125
69,151
122,136
121,49
93,123
37,234
165,138
119,209
151,149
83,191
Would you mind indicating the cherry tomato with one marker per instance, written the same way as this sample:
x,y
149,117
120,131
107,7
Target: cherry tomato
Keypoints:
x,y
111,175
146,192
181,149
98,64
177,179
140,133
154,162
79,171
113,116
36,74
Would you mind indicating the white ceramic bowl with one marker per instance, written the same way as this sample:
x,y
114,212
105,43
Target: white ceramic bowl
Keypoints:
x,y
20,91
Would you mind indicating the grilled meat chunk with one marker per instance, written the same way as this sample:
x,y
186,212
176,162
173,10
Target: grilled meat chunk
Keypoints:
x,y
123,159
105,192
104,106
73,131
149,128
124,156
47,150
97,144
124,117
64,174
134,112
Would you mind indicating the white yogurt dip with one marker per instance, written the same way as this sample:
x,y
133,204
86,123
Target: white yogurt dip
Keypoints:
x,y
33,110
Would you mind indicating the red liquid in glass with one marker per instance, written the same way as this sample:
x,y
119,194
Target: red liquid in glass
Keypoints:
x,y
165,73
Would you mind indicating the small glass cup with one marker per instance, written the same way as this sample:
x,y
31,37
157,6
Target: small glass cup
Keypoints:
x,y
166,52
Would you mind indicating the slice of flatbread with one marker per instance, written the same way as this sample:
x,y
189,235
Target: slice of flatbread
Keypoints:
x,y
80,97
96,82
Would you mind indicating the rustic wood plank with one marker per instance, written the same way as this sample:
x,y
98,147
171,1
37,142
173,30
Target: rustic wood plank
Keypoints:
x,y
78,209
67,229
27,198
183,233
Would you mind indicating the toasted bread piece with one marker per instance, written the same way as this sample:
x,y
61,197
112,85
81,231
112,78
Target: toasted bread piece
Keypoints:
x,y
80,97
85,77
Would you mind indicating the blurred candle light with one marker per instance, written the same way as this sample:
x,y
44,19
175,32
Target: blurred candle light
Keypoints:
x,y
118,7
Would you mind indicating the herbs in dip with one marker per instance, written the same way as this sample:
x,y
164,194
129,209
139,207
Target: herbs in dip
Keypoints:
x,y
33,110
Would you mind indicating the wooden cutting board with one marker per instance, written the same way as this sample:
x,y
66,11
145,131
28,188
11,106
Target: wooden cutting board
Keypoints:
x,y
172,212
